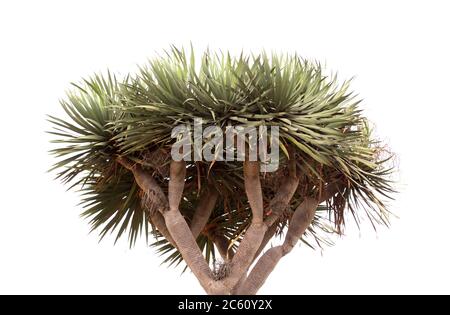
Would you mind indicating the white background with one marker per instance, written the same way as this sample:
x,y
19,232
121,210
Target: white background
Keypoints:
x,y
397,50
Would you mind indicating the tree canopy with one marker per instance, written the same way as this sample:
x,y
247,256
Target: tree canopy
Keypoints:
x,y
323,136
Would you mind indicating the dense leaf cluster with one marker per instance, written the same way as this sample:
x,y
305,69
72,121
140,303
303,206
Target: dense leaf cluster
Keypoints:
x,y
320,124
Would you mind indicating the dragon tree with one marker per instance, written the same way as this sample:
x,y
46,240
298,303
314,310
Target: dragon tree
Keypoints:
x,y
219,216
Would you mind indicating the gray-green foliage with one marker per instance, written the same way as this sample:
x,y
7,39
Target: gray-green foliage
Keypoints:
x,y
319,120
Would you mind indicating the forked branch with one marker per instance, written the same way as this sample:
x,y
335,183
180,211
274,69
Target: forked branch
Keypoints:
x,y
178,230
181,233
155,199
300,221
203,211
172,225
255,233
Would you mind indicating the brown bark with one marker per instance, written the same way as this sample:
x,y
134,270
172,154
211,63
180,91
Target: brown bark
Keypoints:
x,y
255,233
279,203
203,211
300,221
158,221
202,214
181,233
246,252
175,224
190,251
261,271
282,199
172,225
176,183
253,190
235,290
154,194
267,237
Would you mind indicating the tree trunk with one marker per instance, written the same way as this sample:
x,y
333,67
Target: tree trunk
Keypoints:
x,y
165,215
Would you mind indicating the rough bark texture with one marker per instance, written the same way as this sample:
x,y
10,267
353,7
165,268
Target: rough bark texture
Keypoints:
x,y
190,251
204,209
158,221
300,221
270,233
255,233
281,199
253,190
181,233
165,216
176,183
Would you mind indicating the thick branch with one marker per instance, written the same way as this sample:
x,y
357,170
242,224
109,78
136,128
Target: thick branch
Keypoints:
x,y
158,221
177,228
203,211
253,189
176,183
329,192
202,214
261,271
282,198
235,290
256,241
267,237
300,221
155,199
244,255
279,203
170,222
181,233
125,162
190,251
255,233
